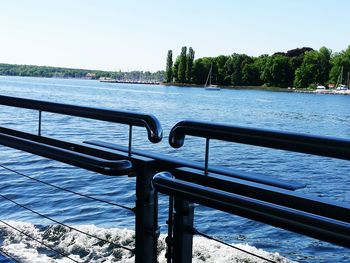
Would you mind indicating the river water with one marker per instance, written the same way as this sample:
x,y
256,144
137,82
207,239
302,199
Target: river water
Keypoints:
x,y
305,113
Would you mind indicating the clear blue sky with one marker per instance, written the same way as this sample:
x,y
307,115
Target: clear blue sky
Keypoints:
x,y
130,34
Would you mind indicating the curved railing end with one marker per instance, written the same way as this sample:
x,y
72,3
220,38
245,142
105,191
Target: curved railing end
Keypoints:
x,y
177,135
154,129
160,176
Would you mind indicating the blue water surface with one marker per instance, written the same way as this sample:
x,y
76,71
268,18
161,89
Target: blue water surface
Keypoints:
x,y
327,115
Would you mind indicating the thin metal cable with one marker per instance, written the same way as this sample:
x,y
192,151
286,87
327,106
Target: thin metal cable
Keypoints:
x,y
196,232
70,227
8,255
42,243
67,190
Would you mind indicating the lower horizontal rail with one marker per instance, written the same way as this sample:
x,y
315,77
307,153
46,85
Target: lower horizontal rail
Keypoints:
x,y
103,166
314,205
322,228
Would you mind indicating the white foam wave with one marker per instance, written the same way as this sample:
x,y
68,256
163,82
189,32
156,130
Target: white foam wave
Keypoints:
x,y
211,252
83,248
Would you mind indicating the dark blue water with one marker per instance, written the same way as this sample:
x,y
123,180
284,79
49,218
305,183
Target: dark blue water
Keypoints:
x,y
305,113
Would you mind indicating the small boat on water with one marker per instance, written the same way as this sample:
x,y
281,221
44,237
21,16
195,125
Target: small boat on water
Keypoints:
x,y
208,85
340,87
212,87
320,89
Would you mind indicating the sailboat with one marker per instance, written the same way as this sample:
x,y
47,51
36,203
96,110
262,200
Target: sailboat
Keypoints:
x,y
208,85
339,86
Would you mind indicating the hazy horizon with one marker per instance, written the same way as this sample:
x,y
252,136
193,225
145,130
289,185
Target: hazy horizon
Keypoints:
x,y
135,35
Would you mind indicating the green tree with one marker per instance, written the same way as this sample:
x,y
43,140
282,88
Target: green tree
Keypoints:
x,y
176,69
296,56
201,69
338,61
189,64
182,65
251,75
325,57
219,69
277,71
312,70
234,66
261,62
169,67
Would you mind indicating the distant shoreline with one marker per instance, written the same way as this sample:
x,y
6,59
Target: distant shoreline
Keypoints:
x,y
61,72
277,89
184,85
229,87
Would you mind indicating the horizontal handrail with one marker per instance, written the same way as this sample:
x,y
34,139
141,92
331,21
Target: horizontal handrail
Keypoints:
x,y
151,123
317,145
82,160
278,196
298,221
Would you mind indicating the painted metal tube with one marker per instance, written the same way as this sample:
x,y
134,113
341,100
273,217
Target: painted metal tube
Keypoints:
x,y
96,164
322,228
317,145
151,123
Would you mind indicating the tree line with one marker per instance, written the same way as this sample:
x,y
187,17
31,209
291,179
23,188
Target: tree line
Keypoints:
x,y
58,72
300,68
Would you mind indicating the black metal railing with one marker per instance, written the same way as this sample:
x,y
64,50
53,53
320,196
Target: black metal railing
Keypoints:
x,y
151,123
324,220
318,145
255,196
98,160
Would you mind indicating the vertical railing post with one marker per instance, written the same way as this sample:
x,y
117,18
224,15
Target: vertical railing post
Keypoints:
x,y
206,160
146,227
169,238
183,231
39,124
130,140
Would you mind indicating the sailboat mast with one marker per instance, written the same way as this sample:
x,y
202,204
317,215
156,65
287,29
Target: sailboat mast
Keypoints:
x,y
341,75
209,76
339,80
